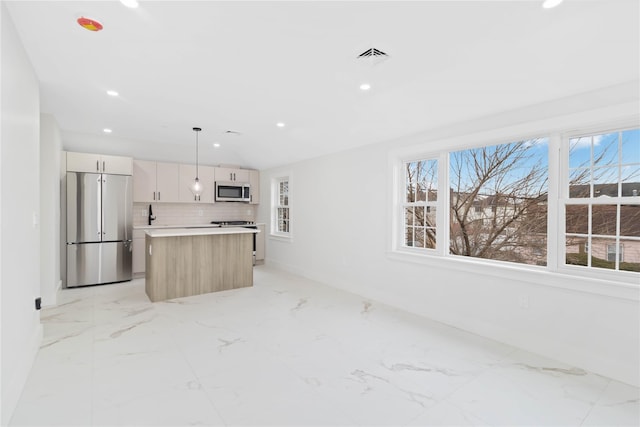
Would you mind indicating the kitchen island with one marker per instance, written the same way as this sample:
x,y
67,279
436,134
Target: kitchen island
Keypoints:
x,y
191,261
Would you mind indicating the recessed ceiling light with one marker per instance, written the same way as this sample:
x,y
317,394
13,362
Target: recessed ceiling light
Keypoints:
x,y
107,130
365,86
216,145
280,124
548,4
112,93
130,3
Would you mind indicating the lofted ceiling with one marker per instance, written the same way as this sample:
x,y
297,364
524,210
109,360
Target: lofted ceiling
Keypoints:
x,y
244,66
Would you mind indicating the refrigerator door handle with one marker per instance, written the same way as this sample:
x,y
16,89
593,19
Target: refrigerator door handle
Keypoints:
x,y
99,218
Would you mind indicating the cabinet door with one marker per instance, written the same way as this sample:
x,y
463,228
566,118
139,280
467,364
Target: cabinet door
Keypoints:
x,y
206,177
139,247
254,181
144,181
232,174
260,243
241,175
85,162
224,174
168,182
82,162
117,165
187,175
207,180
138,256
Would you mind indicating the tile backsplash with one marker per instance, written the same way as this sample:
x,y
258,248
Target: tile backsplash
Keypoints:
x,y
193,213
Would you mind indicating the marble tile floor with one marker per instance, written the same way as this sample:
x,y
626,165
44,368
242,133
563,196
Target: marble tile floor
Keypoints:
x,y
290,351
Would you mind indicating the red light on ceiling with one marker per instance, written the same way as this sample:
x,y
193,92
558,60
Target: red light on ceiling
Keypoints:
x,y
89,24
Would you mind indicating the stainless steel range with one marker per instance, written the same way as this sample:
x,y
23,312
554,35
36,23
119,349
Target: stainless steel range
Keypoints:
x,y
243,224
239,223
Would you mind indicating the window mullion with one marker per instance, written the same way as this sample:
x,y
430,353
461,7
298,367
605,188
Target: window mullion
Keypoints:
x,y
558,170
443,205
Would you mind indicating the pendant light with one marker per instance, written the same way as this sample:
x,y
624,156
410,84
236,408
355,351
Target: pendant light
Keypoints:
x,y
196,187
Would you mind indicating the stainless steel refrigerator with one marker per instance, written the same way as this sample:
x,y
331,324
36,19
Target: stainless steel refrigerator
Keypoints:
x,y
99,228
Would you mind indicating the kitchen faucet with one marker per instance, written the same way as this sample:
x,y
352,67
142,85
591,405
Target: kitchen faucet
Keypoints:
x,y
151,217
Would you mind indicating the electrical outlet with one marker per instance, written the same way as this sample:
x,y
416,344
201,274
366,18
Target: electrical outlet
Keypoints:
x,y
524,302
145,213
200,212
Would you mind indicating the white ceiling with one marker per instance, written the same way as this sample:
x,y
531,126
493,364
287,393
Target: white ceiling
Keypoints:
x,y
244,66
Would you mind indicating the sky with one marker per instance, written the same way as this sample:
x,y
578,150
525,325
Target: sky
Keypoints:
x,y
537,154
606,146
610,150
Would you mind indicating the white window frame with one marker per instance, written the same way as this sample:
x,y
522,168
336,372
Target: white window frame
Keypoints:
x,y
564,199
275,205
555,273
426,204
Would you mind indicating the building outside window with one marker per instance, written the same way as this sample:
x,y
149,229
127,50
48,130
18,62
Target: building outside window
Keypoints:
x,y
611,253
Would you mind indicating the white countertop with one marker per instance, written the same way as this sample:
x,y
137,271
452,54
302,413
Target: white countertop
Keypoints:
x,y
165,226
177,232
160,226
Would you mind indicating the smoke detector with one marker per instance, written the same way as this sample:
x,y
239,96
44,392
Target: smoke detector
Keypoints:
x,y
373,55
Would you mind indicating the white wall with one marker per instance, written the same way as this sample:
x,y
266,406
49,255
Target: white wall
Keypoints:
x,y
50,151
20,195
340,210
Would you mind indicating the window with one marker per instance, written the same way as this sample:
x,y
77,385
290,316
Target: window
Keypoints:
x,y
611,253
602,212
280,218
492,203
419,206
498,202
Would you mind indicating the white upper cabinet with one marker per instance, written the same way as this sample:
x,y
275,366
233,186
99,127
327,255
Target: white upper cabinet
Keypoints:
x,y
144,181
232,175
99,163
168,182
206,178
254,181
156,182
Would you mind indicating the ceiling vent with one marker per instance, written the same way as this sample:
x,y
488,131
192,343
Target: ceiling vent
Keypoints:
x,y
373,55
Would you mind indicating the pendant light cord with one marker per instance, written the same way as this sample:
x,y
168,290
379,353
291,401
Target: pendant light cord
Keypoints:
x,y
197,175
197,130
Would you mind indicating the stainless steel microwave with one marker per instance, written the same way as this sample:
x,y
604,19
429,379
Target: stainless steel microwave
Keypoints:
x,y
233,192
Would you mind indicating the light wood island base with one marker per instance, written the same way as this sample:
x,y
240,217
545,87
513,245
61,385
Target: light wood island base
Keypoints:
x,y
187,262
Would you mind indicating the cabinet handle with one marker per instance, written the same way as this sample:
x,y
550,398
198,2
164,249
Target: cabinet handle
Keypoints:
x,y
154,195
158,195
97,165
103,167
